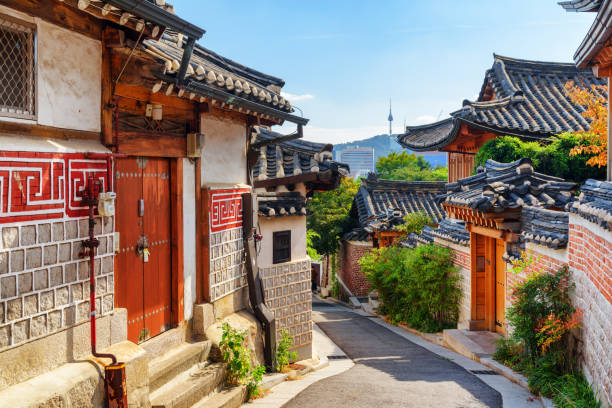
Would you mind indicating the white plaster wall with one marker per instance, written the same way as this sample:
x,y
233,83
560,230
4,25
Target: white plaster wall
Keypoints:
x,y
224,153
68,76
297,225
189,236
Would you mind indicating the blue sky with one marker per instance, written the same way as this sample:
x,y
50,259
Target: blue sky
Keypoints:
x,y
343,60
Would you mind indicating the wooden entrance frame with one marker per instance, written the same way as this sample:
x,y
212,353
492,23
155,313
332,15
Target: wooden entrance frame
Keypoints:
x,y
488,229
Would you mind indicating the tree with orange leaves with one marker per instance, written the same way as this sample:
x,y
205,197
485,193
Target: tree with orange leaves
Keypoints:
x,y
595,140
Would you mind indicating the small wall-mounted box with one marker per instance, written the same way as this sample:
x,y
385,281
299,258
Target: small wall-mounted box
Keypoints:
x,y
195,144
106,204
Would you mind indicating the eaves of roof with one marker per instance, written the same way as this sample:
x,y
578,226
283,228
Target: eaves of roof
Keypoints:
x,y
597,36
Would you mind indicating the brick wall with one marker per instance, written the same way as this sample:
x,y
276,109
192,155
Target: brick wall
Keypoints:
x,y
349,269
44,283
287,289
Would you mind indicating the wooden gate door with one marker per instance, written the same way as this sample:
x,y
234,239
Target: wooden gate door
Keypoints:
x,y
143,213
500,287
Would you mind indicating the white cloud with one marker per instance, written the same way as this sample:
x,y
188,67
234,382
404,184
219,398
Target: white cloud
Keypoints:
x,y
293,98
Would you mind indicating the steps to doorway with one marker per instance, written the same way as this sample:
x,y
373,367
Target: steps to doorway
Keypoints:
x,y
184,377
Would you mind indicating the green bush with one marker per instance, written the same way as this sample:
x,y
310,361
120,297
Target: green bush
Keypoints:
x,y
539,345
551,157
283,355
419,287
237,358
414,222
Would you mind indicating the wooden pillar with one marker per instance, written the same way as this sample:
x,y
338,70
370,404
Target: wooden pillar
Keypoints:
x,y
176,186
107,93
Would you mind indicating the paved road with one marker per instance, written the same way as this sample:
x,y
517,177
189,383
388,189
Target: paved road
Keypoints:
x,y
389,371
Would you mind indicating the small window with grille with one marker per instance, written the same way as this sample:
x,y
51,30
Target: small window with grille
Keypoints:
x,y
281,246
17,68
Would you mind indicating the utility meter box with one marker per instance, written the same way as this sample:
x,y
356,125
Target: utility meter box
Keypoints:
x,y
106,204
195,144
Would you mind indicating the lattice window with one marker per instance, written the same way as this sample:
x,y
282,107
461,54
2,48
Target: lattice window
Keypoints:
x,y
281,246
17,68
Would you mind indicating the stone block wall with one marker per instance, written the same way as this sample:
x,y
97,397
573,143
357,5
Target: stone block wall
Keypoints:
x,y
44,282
349,269
287,289
590,261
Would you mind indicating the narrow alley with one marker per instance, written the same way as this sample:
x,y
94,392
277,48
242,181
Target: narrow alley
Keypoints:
x,y
389,371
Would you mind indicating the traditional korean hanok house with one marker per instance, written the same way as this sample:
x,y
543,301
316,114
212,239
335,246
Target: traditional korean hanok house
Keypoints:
x,y
378,207
491,203
120,91
519,98
289,171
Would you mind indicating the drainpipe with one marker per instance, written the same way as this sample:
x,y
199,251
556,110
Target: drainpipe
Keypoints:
x,y
187,52
114,374
256,292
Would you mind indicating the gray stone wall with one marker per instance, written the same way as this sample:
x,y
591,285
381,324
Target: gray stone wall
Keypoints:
x,y
44,283
227,272
287,289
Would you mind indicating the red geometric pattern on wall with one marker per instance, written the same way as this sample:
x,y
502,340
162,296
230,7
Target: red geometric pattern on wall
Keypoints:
x,y
37,186
226,209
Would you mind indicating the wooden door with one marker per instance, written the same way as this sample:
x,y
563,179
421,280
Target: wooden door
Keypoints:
x,y
500,287
143,286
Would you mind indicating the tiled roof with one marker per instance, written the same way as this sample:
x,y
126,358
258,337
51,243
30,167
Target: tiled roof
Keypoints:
x,y
581,5
509,185
281,204
413,239
544,227
376,198
357,234
211,69
595,203
518,97
452,230
295,157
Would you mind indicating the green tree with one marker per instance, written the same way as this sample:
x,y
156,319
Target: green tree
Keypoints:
x,y
410,167
553,157
329,217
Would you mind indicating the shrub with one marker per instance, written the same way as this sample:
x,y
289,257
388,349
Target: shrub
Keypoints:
x,y
283,355
539,346
414,222
551,157
237,358
417,286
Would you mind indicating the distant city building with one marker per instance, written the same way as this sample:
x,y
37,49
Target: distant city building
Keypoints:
x,y
360,160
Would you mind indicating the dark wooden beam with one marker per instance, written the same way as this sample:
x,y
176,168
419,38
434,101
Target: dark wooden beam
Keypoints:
x,y
26,129
301,178
60,14
142,144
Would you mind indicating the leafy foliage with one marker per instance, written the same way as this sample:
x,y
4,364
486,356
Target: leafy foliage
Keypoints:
x,y
417,286
540,345
310,249
410,167
330,215
414,222
594,143
554,158
237,358
283,355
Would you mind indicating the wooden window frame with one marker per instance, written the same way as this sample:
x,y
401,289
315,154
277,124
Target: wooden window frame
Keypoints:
x,y
277,236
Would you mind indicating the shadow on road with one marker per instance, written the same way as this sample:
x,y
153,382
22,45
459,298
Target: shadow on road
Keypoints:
x,y
390,371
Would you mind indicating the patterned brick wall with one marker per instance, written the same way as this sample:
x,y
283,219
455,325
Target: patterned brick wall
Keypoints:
x,y
349,269
288,295
544,260
227,272
44,283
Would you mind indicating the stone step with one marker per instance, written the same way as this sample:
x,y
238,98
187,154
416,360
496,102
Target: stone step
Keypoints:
x,y
189,387
179,359
226,398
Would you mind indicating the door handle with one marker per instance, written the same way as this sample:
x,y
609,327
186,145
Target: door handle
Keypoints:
x,y
141,207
